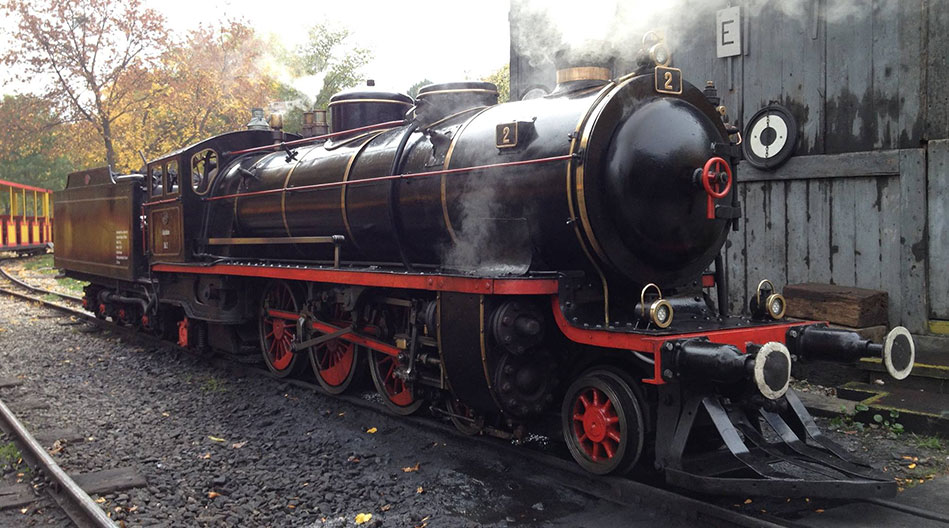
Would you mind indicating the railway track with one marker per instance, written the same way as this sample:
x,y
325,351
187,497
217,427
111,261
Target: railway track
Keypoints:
x,y
621,491
70,497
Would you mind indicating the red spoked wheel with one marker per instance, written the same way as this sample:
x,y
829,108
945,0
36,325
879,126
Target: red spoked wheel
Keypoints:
x,y
334,362
603,423
715,167
277,333
397,394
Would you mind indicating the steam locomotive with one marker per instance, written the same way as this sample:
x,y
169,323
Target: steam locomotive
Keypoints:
x,y
499,264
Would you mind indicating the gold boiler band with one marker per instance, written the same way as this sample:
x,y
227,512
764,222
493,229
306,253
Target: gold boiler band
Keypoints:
x,y
571,206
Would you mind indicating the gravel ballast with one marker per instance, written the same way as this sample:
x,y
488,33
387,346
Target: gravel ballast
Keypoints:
x,y
222,448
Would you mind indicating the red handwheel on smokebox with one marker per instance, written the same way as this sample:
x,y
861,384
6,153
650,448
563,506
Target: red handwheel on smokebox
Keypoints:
x,y
716,169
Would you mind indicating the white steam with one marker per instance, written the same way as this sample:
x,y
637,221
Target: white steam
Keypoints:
x,y
603,29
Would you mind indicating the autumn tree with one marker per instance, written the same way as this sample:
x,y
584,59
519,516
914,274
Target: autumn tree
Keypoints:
x,y
501,79
203,86
32,143
88,54
328,52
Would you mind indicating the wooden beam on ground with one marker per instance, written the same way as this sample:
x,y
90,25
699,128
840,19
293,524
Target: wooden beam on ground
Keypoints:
x,y
842,305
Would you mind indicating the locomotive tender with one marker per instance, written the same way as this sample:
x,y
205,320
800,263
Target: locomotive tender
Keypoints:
x,y
501,263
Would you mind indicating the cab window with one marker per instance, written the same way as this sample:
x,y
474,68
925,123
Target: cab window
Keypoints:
x,y
157,181
204,167
171,172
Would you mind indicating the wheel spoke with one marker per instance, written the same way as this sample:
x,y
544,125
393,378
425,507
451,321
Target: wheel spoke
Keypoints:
x,y
609,451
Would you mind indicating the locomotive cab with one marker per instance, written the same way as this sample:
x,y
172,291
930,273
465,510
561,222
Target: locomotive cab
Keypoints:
x,y
178,186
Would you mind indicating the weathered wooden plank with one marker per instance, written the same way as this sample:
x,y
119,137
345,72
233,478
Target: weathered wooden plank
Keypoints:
x,y
912,72
815,82
735,262
849,112
884,91
28,404
866,202
938,219
844,305
756,236
818,231
842,229
797,257
15,495
10,382
109,480
767,31
848,165
776,232
96,482
890,248
913,249
48,437
937,72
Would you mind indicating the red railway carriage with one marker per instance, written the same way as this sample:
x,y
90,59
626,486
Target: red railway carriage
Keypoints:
x,y
25,218
497,264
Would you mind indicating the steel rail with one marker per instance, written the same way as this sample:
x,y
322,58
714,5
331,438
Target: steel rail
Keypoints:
x,y
77,504
22,284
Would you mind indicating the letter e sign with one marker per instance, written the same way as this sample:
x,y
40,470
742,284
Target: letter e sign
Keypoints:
x,y
728,32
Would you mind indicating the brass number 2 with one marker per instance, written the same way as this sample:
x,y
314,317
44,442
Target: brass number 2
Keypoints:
x,y
506,131
668,85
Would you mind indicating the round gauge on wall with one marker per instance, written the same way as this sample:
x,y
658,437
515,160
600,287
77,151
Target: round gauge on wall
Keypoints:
x,y
770,137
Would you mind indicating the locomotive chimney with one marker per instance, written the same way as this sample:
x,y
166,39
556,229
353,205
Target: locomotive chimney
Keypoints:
x,y
581,70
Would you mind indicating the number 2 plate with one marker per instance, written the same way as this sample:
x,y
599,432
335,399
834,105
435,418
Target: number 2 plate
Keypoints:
x,y
668,80
506,135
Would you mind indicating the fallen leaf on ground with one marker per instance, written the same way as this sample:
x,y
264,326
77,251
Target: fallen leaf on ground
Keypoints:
x,y
410,469
747,501
213,494
100,500
386,508
216,439
912,466
206,456
239,445
371,430
362,518
420,490
57,448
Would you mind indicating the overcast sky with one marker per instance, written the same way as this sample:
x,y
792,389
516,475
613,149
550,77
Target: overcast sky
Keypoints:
x,y
442,40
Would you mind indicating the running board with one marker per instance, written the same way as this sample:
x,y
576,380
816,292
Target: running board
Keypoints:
x,y
783,454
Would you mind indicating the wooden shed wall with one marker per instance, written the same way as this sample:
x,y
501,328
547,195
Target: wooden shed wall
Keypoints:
x,y
865,199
